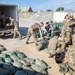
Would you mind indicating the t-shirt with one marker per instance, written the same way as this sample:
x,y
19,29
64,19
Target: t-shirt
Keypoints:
x,y
35,26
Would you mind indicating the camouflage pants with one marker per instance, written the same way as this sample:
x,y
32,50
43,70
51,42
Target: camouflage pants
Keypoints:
x,y
31,33
17,32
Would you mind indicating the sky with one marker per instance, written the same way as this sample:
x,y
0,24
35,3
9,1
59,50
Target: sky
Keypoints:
x,y
43,4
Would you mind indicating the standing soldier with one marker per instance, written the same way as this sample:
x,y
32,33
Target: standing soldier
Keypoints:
x,y
16,27
32,31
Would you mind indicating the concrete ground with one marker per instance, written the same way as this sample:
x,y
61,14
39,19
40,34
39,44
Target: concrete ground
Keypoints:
x,y
30,49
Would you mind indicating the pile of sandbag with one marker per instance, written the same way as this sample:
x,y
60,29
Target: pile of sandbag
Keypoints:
x,y
2,48
17,63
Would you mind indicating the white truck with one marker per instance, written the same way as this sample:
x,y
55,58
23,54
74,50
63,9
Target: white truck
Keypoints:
x,y
6,11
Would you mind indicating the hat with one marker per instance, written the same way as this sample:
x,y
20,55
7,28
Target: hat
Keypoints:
x,y
47,22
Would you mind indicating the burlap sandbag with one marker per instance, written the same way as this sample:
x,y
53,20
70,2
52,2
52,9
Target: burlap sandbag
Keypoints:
x,y
20,54
1,62
30,60
7,59
29,71
38,68
20,73
4,72
17,64
3,55
39,47
41,63
14,57
24,62
9,68
2,48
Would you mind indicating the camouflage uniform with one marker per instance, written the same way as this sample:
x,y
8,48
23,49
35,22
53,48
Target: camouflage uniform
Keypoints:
x,y
71,61
67,30
73,39
53,45
32,31
16,29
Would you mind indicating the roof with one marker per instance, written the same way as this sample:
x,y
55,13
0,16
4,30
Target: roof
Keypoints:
x,y
24,8
68,10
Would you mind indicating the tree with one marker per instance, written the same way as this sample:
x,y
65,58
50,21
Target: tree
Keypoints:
x,y
49,10
60,9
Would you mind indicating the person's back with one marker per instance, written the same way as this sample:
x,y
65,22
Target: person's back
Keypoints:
x,y
53,43
35,26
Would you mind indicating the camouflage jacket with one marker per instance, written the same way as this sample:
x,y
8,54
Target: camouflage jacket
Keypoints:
x,y
71,61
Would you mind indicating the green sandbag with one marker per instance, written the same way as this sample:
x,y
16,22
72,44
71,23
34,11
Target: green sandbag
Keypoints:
x,y
20,54
39,68
7,59
29,71
4,72
30,60
3,55
20,73
17,64
14,57
64,68
39,47
24,62
9,68
41,63
1,62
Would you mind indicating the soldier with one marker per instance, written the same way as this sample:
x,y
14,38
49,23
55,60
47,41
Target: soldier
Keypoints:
x,y
68,58
63,32
53,44
31,31
16,27
68,29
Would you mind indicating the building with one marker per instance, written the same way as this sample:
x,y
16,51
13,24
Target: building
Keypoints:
x,y
25,9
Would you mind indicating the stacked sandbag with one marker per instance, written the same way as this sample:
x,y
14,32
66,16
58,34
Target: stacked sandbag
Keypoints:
x,y
2,48
17,63
40,66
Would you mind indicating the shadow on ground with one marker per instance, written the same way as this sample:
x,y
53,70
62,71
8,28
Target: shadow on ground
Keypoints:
x,y
23,31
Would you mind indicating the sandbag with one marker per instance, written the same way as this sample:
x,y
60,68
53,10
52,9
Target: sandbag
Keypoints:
x,y
14,57
8,59
17,64
20,54
41,63
9,68
3,55
38,68
24,62
39,47
29,71
10,53
20,73
4,72
1,62
2,48
30,60
63,68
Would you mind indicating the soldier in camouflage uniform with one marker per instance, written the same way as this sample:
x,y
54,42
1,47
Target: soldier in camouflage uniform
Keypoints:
x,y
16,27
32,31
67,30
